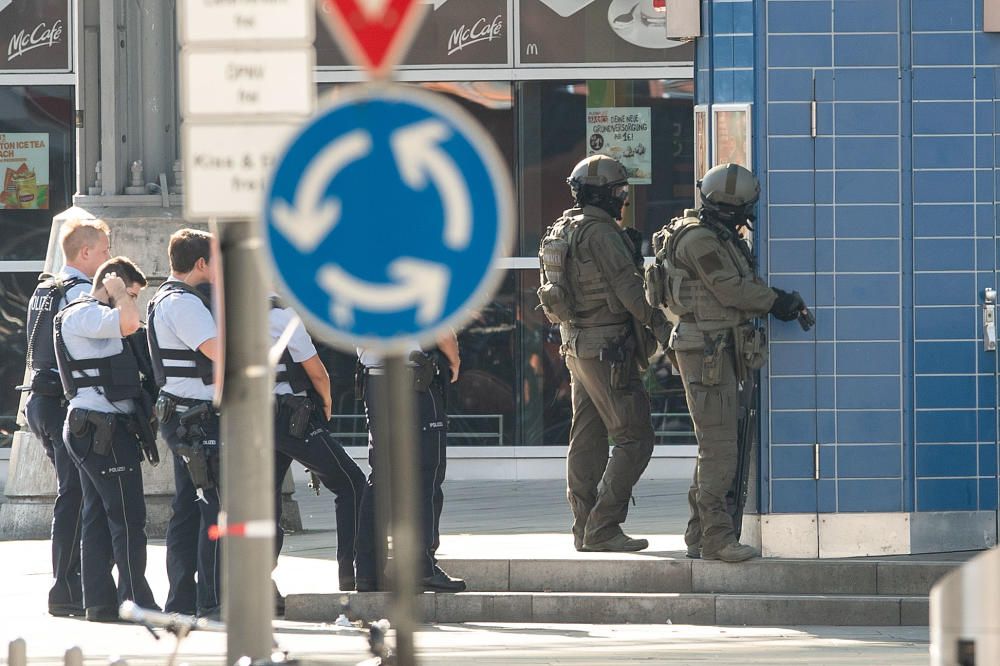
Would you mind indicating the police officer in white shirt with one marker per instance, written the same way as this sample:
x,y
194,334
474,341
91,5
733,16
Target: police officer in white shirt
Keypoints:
x,y
100,375
430,377
85,246
302,410
183,344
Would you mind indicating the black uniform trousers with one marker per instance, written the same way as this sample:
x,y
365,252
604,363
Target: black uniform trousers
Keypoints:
x,y
433,459
189,550
114,519
46,415
320,452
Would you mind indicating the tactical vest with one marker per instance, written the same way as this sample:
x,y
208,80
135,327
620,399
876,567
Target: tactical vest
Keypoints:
x,y
42,309
202,365
293,372
117,376
672,284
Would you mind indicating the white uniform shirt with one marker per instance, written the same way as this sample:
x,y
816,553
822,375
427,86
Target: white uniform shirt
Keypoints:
x,y
183,322
300,346
93,331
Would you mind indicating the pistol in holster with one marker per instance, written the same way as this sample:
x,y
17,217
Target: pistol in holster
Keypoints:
x,y
192,448
620,352
424,370
300,410
100,426
711,365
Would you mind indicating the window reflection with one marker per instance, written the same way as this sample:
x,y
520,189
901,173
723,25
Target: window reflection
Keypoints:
x,y
15,291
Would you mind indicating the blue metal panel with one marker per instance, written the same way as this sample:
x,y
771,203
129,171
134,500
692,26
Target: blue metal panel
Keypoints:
x,y
786,118
743,20
789,85
868,392
866,15
946,426
743,53
793,221
793,496
875,221
869,290
945,357
826,496
943,288
947,494
867,118
867,84
952,48
869,495
870,254
799,16
869,461
865,51
936,152
945,392
936,15
867,187
792,462
944,254
942,117
799,50
953,220
868,427
867,152
793,393
937,460
867,323
792,428
941,83
868,358
944,323
791,256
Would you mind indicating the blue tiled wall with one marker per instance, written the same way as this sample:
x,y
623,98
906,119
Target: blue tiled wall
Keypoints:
x,y
886,223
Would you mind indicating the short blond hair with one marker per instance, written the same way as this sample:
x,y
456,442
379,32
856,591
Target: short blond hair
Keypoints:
x,y
76,234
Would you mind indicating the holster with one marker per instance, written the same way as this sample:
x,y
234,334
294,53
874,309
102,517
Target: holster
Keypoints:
x,y
711,365
197,464
424,370
621,353
98,425
300,410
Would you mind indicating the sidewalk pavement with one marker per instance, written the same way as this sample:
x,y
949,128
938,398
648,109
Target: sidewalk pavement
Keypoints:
x,y
529,517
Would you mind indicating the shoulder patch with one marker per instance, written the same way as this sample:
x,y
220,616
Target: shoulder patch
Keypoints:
x,y
710,262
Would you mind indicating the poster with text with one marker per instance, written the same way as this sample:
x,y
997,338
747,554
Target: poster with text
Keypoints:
x,y
24,166
35,36
624,133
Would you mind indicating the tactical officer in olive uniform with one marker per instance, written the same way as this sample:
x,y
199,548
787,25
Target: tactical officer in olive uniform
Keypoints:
x,y
100,374
593,288
85,245
705,275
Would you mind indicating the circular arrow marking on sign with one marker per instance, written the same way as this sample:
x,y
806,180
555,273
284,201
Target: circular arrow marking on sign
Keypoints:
x,y
386,216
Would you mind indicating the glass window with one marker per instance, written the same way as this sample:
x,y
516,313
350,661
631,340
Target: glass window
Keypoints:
x,y
36,166
15,292
553,136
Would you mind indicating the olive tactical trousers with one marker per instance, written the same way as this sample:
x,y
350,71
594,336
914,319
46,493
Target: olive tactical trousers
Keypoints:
x,y
599,489
714,412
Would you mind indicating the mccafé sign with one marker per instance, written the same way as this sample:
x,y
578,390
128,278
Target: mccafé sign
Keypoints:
x,y
35,36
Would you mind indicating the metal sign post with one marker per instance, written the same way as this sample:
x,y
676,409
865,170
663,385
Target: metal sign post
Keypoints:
x,y
246,85
412,179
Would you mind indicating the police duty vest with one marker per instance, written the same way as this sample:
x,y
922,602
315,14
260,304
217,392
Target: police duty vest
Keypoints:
x,y
293,372
201,367
117,376
42,309
671,284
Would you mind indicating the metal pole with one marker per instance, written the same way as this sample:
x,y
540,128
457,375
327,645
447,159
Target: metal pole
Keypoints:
x,y
17,652
156,53
399,413
247,447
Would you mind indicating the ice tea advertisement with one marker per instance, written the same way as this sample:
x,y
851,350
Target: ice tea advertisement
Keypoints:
x,y
34,36
623,133
24,164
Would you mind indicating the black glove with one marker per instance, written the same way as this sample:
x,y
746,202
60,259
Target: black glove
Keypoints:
x,y
787,305
635,237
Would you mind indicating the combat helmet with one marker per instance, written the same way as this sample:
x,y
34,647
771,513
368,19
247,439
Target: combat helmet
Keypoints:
x,y
729,192
600,181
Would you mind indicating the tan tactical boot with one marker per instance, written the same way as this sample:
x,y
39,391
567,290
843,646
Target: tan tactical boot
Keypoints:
x,y
732,552
621,543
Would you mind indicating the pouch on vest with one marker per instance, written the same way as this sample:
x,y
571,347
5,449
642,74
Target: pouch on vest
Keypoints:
x,y
664,278
554,295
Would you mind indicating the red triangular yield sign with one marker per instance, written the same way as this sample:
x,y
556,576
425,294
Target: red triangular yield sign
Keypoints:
x,y
375,42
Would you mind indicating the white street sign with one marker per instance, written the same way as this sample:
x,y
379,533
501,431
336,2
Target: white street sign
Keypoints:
x,y
227,166
212,21
247,82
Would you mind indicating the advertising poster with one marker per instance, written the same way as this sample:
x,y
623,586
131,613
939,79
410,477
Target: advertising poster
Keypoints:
x,y
623,133
732,143
594,32
452,32
24,166
34,36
